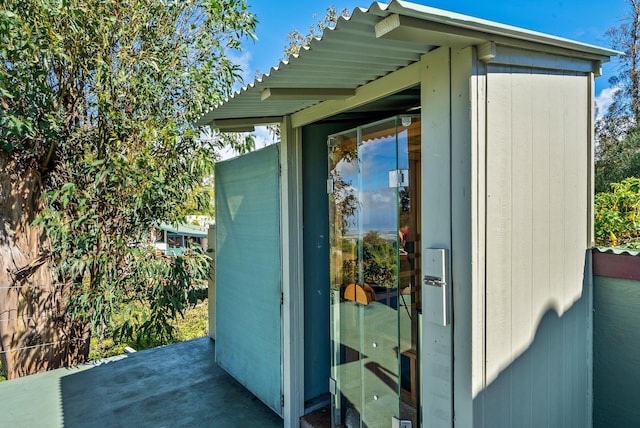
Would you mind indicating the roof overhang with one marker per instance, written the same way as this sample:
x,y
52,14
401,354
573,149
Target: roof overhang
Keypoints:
x,y
371,44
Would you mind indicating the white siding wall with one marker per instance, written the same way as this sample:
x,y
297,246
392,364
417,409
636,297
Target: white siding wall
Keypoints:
x,y
537,231
437,346
463,183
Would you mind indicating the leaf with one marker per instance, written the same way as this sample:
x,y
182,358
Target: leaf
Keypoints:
x,y
68,188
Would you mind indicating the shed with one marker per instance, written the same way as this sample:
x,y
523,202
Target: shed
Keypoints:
x,y
416,249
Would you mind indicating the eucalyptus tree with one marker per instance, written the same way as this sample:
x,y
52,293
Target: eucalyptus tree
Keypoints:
x,y
297,40
618,129
97,146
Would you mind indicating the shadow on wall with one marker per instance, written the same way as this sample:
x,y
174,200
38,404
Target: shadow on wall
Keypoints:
x,y
549,384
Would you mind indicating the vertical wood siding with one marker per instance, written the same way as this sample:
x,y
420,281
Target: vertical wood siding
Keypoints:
x,y
478,92
248,276
537,230
463,264
437,346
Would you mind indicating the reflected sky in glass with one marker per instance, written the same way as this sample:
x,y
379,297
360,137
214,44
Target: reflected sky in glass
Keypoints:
x,y
378,200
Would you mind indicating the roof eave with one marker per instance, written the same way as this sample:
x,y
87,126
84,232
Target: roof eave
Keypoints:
x,y
408,25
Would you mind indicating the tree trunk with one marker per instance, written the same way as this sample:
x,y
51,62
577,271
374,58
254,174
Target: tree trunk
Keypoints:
x,y
634,53
35,332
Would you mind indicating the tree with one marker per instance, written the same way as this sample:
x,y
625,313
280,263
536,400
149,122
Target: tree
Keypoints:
x,y
98,100
626,38
617,159
617,131
296,40
375,261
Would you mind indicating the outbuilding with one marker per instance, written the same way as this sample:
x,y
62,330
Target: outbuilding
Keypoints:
x,y
415,251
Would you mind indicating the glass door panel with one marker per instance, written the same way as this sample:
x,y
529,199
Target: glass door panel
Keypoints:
x,y
378,199
374,175
345,272
408,212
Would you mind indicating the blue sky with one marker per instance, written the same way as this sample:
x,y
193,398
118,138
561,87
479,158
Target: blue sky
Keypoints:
x,y
582,20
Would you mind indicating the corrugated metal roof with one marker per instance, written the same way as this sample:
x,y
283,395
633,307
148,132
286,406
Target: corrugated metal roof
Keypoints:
x,y
185,229
350,55
618,251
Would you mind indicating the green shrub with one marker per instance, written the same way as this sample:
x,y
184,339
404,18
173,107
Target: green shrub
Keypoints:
x,y
617,215
194,324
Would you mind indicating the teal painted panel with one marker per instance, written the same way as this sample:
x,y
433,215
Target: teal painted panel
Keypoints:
x,y
316,261
317,351
616,353
316,258
248,272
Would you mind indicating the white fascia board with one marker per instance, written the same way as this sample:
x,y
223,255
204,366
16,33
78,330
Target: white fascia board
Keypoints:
x,y
496,54
495,31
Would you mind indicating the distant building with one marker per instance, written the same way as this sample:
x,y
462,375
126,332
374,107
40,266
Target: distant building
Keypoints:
x,y
175,239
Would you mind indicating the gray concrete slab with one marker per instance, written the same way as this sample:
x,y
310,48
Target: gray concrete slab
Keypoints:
x,y
177,385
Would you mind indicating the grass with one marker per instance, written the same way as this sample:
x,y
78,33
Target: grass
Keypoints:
x,y
194,324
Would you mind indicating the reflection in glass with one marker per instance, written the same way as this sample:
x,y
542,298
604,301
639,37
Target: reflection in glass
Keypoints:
x,y
374,173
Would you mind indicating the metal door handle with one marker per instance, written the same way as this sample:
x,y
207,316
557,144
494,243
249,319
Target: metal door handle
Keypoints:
x,y
434,281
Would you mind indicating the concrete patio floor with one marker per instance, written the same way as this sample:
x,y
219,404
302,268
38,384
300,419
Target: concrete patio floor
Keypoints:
x,y
177,385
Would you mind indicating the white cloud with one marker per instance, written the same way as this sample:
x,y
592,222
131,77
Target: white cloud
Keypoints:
x,y
604,100
226,153
244,62
262,138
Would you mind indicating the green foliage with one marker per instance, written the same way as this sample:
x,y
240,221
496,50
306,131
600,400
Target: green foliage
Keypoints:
x,y
201,201
105,348
617,158
194,324
617,215
100,97
377,264
29,119
379,260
